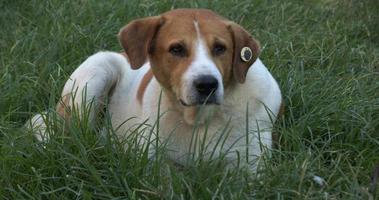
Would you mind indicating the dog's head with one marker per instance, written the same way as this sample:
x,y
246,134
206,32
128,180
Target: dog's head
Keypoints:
x,y
193,53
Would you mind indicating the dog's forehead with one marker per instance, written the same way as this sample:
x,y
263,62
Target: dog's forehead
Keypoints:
x,y
181,23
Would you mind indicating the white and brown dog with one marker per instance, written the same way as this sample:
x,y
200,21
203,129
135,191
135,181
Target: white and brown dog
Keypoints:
x,y
187,60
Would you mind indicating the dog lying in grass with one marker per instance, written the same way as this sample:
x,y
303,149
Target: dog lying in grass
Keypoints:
x,y
191,76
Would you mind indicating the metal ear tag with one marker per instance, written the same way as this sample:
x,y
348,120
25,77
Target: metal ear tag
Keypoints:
x,y
246,54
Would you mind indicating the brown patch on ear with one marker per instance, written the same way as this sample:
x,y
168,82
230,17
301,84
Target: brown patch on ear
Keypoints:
x,y
137,39
241,38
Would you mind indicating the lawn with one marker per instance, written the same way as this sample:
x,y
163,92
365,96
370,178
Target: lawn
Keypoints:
x,y
324,54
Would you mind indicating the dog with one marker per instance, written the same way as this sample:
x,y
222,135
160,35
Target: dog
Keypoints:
x,y
200,70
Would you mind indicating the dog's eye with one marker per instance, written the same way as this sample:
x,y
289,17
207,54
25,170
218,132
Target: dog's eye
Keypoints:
x,y
178,50
218,49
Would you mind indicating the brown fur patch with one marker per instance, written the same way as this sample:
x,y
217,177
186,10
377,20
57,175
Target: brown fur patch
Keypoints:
x,y
137,37
63,107
241,38
143,85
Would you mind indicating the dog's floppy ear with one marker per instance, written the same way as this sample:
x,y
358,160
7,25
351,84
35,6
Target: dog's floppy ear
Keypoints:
x,y
137,39
246,51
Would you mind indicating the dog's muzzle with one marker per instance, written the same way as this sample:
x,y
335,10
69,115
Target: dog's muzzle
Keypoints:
x,y
206,87
204,91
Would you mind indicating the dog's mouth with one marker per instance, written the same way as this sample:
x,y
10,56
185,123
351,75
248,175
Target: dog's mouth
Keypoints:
x,y
183,103
199,111
199,97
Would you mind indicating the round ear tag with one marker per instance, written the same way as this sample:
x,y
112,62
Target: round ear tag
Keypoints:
x,y
246,54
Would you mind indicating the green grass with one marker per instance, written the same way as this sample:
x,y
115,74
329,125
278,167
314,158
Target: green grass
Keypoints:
x,y
324,54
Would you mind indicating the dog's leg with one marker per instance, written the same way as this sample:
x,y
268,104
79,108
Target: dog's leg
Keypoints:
x,y
87,89
91,84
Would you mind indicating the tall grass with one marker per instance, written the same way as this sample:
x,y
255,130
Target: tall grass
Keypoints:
x,y
324,54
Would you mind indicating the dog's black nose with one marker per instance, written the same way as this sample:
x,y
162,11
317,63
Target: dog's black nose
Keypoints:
x,y
206,84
